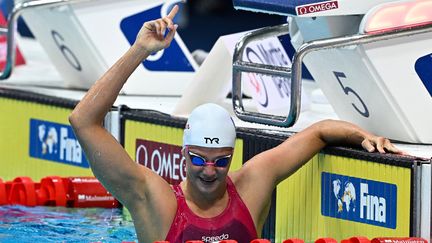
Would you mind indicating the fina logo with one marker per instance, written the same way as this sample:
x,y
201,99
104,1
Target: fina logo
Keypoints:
x,y
360,200
48,139
346,199
55,142
170,59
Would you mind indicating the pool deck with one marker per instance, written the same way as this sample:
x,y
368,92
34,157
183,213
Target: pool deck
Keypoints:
x,y
40,76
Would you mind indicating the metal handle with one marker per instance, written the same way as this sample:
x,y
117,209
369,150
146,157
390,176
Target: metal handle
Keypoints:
x,y
240,66
295,72
11,28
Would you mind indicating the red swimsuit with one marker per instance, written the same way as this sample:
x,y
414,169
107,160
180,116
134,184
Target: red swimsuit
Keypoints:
x,y
234,223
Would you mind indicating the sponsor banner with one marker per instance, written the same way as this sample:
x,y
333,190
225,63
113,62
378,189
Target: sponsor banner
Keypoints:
x,y
164,159
317,7
424,71
15,158
55,142
360,200
340,197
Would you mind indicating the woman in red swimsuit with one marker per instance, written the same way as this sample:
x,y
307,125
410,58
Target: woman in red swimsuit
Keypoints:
x,y
212,204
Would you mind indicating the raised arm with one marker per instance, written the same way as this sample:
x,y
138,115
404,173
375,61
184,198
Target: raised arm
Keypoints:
x,y
110,163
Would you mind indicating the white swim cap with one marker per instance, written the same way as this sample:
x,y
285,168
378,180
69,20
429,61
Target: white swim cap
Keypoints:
x,y
210,125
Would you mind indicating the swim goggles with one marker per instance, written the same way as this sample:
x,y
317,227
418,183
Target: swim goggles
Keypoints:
x,y
200,161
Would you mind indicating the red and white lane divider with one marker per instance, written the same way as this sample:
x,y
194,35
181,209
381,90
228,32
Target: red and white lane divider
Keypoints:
x,y
77,192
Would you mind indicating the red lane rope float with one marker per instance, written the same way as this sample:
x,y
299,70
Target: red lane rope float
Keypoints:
x,y
52,192
23,192
399,240
293,240
3,194
85,192
81,192
325,240
356,239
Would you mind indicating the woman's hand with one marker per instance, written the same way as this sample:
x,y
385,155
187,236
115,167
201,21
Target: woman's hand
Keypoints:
x,y
151,38
334,132
383,145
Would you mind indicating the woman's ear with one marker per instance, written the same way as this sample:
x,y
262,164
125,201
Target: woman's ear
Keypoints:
x,y
183,152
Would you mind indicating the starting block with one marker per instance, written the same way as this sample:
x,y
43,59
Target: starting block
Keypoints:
x,y
84,38
371,59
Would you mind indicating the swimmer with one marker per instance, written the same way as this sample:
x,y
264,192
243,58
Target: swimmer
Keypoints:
x,y
212,204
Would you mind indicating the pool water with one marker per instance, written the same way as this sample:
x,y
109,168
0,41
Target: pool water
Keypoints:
x,y
59,224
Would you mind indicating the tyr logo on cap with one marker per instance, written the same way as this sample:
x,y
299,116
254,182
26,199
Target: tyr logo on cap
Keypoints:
x,y
211,140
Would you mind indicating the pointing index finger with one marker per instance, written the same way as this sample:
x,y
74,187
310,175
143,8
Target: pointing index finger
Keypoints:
x,y
173,12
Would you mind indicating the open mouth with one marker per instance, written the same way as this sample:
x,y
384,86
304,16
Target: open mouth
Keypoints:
x,y
208,180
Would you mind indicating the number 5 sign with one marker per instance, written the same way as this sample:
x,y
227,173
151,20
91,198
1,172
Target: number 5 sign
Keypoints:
x,y
363,110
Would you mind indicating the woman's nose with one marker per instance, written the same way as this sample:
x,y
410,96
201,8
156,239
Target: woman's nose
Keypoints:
x,y
209,170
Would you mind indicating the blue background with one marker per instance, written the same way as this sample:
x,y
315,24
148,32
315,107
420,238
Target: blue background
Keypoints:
x,y
173,58
36,145
329,206
423,67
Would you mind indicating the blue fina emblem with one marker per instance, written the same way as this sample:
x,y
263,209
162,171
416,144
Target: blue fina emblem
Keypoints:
x,y
359,200
55,142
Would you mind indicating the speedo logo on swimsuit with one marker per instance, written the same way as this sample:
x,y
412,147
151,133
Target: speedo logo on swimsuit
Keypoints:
x,y
212,239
